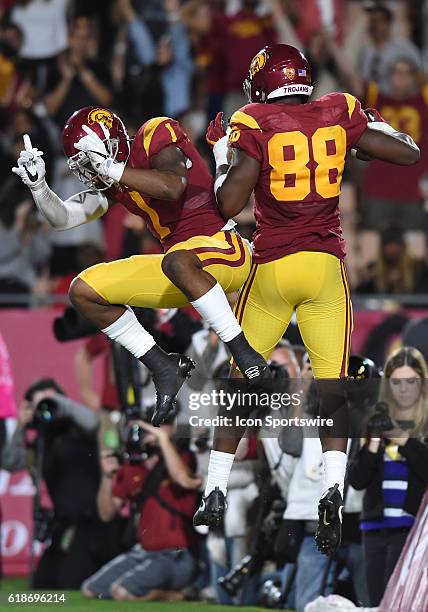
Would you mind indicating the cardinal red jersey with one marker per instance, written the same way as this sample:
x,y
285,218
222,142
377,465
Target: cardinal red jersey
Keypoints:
x,y
301,149
410,116
195,213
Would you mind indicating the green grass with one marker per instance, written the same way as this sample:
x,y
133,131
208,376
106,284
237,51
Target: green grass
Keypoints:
x,y
75,601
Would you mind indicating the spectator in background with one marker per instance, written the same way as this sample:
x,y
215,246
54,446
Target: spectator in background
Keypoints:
x,y
169,60
295,461
66,448
395,198
24,249
241,36
44,27
25,121
14,86
283,354
163,558
392,466
383,49
395,271
204,20
77,80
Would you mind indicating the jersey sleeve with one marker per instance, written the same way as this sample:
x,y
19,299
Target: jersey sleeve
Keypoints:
x,y
120,485
161,132
128,482
353,119
246,135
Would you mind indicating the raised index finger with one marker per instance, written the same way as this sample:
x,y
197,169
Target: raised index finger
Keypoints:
x,y
27,142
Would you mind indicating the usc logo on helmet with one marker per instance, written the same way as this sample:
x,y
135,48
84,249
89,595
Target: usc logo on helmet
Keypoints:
x,y
234,135
101,115
258,62
290,73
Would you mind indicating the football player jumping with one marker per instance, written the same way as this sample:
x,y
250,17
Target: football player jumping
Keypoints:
x,y
161,177
291,152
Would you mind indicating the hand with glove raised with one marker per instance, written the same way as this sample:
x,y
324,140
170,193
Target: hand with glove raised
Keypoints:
x,y
215,130
100,159
31,167
217,137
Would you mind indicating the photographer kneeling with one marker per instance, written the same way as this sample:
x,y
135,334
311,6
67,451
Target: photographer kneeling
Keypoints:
x,y
61,449
162,486
392,466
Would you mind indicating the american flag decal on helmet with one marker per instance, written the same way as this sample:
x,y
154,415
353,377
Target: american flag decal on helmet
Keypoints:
x,y
301,72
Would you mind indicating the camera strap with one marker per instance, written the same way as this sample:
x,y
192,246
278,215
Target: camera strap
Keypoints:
x,y
151,488
151,485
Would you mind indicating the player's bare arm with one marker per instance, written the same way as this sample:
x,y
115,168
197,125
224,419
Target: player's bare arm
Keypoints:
x,y
241,178
167,180
398,149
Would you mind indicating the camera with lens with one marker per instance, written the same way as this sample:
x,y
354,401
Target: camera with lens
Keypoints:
x,y
136,448
263,549
45,413
234,579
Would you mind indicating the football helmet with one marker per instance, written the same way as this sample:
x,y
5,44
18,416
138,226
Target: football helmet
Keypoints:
x,y
110,128
277,71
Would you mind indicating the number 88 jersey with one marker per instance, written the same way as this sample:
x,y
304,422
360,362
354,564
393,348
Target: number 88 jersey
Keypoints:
x,y
301,149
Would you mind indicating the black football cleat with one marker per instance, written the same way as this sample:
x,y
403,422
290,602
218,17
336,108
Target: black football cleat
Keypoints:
x,y
211,511
168,383
329,531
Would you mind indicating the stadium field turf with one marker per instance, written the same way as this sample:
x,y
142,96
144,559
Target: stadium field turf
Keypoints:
x,y
75,601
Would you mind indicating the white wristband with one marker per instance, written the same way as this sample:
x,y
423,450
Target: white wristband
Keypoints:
x,y
381,126
220,151
114,170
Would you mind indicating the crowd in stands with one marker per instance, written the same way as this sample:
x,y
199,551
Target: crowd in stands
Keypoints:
x,y
187,59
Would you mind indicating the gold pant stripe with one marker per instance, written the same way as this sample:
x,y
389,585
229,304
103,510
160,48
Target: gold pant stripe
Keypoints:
x,y
243,294
139,280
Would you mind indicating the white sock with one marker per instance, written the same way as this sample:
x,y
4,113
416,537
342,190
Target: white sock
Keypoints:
x,y
334,470
218,471
216,311
129,333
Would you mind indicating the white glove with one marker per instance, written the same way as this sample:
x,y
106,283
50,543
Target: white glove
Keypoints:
x,y
98,155
31,167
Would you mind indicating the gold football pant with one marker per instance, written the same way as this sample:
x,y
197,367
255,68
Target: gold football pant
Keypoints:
x,y
315,286
139,280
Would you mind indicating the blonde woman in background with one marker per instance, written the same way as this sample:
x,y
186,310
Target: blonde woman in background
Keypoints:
x,y
392,466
